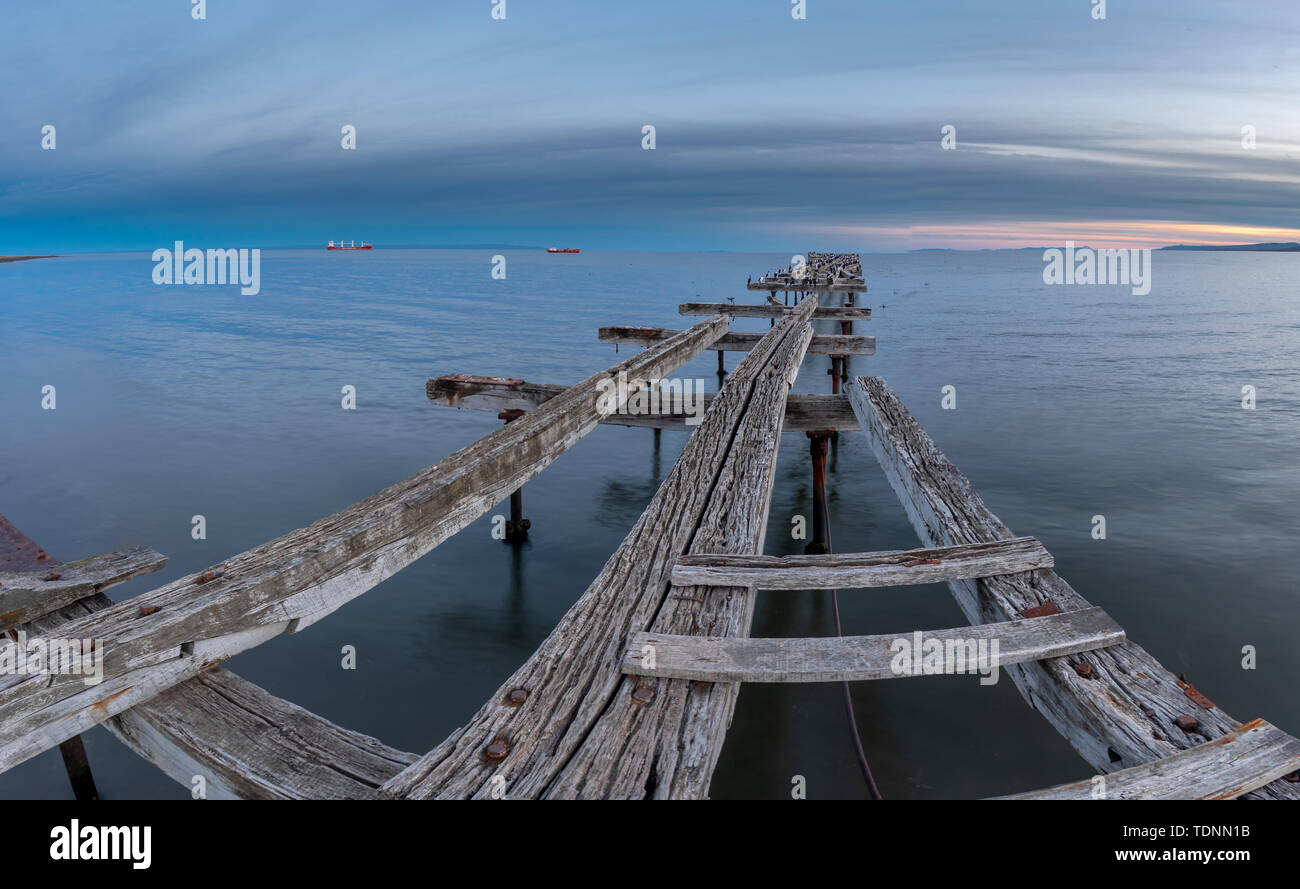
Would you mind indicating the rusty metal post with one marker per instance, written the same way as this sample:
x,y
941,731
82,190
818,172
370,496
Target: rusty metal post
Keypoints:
x,y
819,447
836,370
517,527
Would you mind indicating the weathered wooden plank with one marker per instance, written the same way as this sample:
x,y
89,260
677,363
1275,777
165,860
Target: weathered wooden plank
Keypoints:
x,y
777,286
853,658
250,744
28,595
1120,714
243,741
822,344
668,746
836,313
861,570
803,413
20,554
572,682
291,582
1231,765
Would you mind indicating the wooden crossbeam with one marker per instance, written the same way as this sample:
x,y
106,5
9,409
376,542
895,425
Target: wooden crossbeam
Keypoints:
x,y
823,313
840,658
291,582
803,413
861,570
29,595
822,344
1231,765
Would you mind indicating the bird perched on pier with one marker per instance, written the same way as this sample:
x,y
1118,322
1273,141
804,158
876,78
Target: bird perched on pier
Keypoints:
x,y
731,299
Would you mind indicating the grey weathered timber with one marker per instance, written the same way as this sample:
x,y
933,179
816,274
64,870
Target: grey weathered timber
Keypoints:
x,y
830,313
577,702
803,412
25,597
245,742
861,570
1122,713
668,747
164,637
822,344
249,744
1231,765
853,658
776,285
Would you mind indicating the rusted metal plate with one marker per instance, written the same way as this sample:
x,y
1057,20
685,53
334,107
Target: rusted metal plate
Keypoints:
x,y
1041,610
18,552
1196,697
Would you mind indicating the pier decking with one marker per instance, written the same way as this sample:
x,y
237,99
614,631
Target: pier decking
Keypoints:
x,y
632,693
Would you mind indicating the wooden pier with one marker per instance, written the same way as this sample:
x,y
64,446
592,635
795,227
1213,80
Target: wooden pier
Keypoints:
x,y
632,693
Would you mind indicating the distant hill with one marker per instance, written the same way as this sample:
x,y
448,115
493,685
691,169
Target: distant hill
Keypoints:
x,y
1288,247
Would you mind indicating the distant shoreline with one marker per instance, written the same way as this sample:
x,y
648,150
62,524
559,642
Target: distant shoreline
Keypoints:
x,y
21,258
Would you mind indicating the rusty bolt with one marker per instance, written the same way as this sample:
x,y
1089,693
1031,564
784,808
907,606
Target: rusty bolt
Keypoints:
x,y
146,610
1187,723
496,751
53,575
1084,670
517,697
643,695
1294,777
42,556
206,577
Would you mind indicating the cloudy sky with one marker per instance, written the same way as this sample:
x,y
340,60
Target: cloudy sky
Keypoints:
x,y
770,131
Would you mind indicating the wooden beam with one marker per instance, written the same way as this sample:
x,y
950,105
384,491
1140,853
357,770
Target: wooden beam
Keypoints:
x,y
803,413
822,344
26,596
1123,712
668,747
1231,765
823,313
249,744
582,728
171,634
243,741
851,658
807,286
862,570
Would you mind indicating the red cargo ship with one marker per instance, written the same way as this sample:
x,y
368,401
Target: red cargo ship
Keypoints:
x,y
564,250
350,245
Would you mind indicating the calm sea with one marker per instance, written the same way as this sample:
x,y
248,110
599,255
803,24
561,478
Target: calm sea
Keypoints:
x,y
1071,402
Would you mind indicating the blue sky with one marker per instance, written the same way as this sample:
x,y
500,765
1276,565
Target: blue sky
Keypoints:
x,y
772,133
